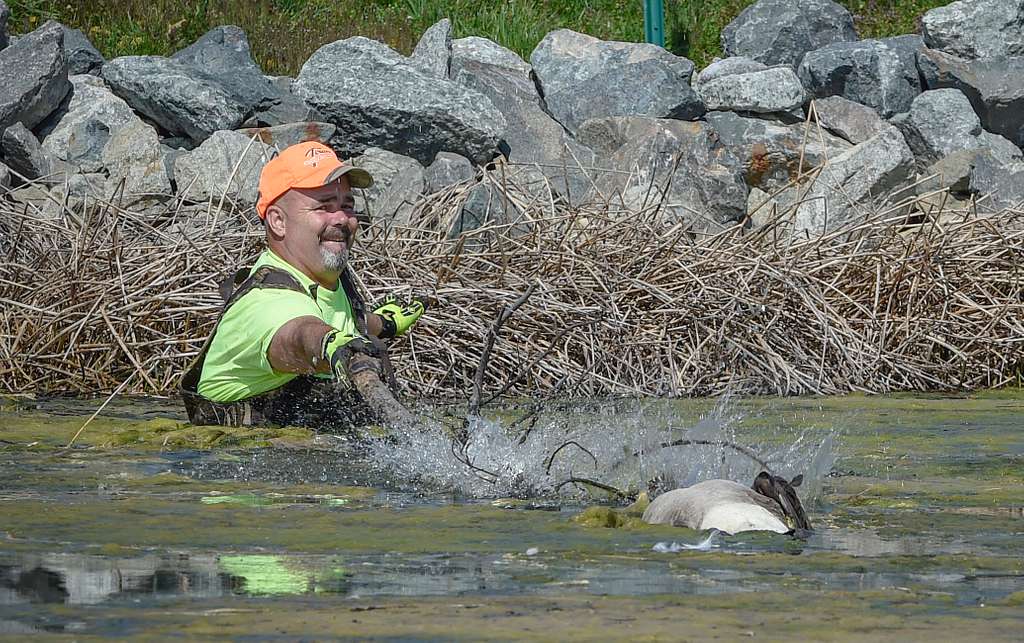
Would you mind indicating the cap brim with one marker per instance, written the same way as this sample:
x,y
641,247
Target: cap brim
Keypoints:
x,y
357,176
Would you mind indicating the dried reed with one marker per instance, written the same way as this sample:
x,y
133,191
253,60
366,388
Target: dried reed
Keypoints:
x,y
623,302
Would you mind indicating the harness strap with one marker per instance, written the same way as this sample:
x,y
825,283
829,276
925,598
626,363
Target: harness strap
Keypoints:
x,y
304,400
263,277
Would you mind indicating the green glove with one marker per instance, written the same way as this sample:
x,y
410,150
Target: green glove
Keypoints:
x,y
338,349
396,318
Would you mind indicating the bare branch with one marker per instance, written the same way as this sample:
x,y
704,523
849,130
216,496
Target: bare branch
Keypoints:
x,y
492,336
620,495
551,458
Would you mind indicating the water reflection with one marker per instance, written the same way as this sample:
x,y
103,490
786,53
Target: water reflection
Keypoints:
x,y
78,579
85,580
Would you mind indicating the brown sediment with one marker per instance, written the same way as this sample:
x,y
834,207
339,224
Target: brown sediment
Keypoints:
x,y
849,616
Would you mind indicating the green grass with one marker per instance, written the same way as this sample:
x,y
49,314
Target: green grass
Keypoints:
x,y
283,33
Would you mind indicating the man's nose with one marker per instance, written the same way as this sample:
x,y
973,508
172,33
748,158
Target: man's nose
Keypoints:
x,y
341,213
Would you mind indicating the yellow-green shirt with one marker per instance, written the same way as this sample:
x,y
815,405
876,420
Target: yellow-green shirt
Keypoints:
x,y
236,364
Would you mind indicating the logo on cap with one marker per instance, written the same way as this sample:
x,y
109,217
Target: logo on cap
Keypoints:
x,y
313,156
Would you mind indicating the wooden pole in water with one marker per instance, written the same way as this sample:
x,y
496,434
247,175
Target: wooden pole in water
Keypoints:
x,y
388,409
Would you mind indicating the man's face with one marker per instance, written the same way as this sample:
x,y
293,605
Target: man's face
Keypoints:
x,y
314,229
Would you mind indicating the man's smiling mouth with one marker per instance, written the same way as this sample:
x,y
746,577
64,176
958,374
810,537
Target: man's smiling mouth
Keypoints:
x,y
334,236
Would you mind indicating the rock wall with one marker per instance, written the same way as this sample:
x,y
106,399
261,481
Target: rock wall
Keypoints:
x,y
801,109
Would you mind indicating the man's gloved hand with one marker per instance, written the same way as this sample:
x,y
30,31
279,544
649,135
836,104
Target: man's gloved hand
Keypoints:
x,y
339,349
398,318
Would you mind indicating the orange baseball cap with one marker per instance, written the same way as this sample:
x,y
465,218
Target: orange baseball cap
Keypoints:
x,y
305,165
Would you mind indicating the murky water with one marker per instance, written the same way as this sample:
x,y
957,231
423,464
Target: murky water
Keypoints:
x,y
141,530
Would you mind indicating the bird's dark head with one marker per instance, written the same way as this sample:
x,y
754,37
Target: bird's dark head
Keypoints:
x,y
783,492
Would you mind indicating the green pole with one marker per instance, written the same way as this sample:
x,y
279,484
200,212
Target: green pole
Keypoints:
x,y
654,22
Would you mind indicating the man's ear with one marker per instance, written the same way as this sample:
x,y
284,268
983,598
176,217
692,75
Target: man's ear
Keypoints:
x,y
276,220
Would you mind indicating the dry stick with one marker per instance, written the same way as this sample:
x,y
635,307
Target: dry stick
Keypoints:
x,y
492,336
619,495
568,251
551,458
536,360
716,443
458,452
534,413
92,417
127,352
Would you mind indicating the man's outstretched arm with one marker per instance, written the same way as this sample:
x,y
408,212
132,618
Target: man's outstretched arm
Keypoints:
x,y
307,345
296,347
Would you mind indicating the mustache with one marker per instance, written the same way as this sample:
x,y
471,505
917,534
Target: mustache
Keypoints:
x,y
336,233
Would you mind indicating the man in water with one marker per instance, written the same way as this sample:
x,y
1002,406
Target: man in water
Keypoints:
x,y
294,331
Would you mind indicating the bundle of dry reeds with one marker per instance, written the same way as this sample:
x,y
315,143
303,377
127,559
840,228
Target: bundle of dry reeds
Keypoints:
x,y
622,302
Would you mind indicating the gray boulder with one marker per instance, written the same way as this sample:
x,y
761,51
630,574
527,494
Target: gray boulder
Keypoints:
x,y
5,14
486,203
134,161
83,57
952,173
221,50
84,148
999,182
496,201
447,170
770,90
764,208
780,32
852,183
398,183
79,190
870,72
533,137
378,100
995,88
81,127
33,77
722,67
681,165
223,53
226,165
282,136
941,121
282,83
5,178
851,121
770,152
37,200
286,109
999,146
23,154
433,53
481,50
581,77
976,28
174,95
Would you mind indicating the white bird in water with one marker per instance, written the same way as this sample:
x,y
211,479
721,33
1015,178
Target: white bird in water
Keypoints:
x,y
771,504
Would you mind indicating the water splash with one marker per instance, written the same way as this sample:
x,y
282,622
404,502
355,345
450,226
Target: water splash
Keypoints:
x,y
674,548
624,448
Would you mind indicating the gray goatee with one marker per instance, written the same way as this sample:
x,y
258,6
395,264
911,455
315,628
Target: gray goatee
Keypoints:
x,y
335,261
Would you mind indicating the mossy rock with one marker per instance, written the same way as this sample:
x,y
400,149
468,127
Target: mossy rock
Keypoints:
x,y
1015,599
164,433
639,505
607,517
